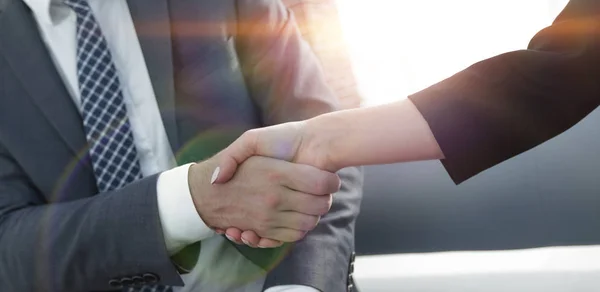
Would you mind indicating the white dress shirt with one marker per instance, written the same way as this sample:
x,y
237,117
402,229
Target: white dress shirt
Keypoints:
x,y
220,266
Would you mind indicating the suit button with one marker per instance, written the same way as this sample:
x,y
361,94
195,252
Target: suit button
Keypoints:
x,y
350,288
138,281
150,278
114,283
353,257
126,282
351,268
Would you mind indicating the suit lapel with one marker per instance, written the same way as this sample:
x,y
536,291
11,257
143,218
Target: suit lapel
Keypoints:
x,y
152,24
29,59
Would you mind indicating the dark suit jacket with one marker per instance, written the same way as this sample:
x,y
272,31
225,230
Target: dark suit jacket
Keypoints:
x,y
508,104
218,68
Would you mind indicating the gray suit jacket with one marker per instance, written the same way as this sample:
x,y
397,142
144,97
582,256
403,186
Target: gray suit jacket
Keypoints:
x,y
218,68
320,25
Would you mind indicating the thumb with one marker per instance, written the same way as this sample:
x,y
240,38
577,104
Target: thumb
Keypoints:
x,y
234,155
225,171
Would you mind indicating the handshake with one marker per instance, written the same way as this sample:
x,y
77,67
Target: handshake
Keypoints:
x,y
270,186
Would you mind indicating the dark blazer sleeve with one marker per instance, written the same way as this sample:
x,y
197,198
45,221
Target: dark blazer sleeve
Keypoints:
x,y
508,104
74,246
286,82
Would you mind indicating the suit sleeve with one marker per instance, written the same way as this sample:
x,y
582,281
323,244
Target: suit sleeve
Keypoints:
x,y
508,104
287,83
78,245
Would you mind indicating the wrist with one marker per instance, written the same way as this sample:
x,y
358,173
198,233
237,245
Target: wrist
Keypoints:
x,y
180,222
199,176
321,136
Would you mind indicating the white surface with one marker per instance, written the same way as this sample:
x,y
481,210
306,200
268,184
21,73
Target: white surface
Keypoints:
x,y
564,269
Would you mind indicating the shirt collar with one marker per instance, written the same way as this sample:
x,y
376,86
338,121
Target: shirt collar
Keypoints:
x,y
47,11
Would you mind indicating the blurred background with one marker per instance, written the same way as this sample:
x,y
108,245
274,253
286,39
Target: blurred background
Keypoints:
x,y
399,47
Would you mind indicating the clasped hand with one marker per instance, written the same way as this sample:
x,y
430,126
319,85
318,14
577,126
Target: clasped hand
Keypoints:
x,y
302,191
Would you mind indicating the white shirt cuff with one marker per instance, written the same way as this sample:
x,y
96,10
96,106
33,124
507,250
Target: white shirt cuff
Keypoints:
x,y
180,221
292,288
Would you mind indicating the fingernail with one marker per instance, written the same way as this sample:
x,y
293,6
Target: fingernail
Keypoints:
x,y
246,242
215,175
230,238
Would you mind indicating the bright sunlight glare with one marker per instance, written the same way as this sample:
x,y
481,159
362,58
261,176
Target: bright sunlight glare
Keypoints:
x,y
399,47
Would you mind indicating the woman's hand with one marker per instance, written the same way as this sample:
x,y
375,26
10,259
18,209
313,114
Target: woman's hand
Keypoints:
x,y
293,142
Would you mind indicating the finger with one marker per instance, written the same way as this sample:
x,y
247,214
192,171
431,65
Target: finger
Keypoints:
x,y
219,231
253,239
250,238
284,234
248,243
269,243
225,171
311,180
234,155
234,235
297,221
306,203
238,242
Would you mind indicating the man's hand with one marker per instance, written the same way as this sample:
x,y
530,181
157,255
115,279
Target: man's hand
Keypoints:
x,y
275,199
